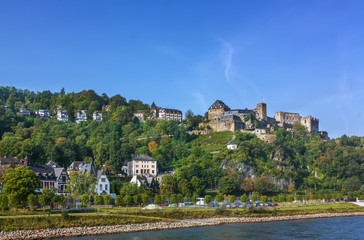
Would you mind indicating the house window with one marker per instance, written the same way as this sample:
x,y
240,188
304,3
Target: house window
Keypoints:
x,y
136,165
106,187
152,171
100,187
136,171
103,180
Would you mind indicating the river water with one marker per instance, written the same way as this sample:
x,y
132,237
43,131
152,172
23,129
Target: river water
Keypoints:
x,y
324,228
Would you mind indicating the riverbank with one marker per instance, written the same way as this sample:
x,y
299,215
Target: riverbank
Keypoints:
x,y
190,223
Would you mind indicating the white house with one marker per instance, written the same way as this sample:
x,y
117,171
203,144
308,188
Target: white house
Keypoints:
x,y
103,185
81,116
142,165
97,116
62,115
42,113
232,146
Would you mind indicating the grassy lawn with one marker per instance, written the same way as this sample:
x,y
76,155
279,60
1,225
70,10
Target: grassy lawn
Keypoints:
x,y
215,138
118,216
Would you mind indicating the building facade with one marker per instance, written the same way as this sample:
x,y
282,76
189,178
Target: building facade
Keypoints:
x,y
42,114
81,116
142,165
62,115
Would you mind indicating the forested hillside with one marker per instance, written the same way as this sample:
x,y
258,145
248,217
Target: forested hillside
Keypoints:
x,y
295,158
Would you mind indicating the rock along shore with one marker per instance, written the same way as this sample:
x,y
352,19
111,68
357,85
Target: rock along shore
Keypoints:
x,y
103,230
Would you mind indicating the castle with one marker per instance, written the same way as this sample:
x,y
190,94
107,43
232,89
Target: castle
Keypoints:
x,y
221,118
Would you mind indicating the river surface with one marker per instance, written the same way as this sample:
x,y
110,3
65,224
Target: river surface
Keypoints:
x,y
324,228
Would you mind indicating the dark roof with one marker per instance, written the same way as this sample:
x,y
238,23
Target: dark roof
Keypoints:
x,y
142,157
219,104
43,171
58,172
75,165
153,106
53,164
9,161
89,167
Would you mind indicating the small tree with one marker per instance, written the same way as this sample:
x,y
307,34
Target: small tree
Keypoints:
x,y
194,199
158,199
281,198
207,200
107,199
275,199
137,199
255,196
307,197
119,200
43,201
232,198
174,199
127,200
60,200
145,199
290,198
339,197
32,201
12,201
98,201
264,199
291,188
3,202
244,198
85,199
220,198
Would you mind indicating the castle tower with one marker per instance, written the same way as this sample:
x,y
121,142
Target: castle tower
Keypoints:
x,y
261,111
217,110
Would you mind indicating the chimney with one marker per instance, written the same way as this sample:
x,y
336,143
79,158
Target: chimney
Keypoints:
x,y
26,161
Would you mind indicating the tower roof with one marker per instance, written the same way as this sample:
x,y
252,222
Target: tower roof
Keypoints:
x,y
219,104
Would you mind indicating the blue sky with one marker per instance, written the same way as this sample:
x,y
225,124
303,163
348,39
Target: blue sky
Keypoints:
x,y
300,56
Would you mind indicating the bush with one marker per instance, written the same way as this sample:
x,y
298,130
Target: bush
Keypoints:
x,y
65,215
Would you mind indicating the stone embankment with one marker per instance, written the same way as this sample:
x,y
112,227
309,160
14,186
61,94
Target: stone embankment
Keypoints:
x,y
102,230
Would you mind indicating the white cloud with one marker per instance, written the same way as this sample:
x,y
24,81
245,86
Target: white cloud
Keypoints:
x,y
228,59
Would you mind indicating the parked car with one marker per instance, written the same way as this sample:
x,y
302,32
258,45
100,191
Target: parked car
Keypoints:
x,y
249,202
238,205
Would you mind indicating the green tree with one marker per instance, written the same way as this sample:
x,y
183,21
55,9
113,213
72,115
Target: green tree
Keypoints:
x,y
290,198
20,181
119,200
232,198
255,196
85,199
81,183
145,199
98,200
32,201
264,199
127,200
194,199
281,198
275,199
168,185
174,199
208,200
197,185
3,202
244,198
43,201
107,199
229,184
137,199
185,187
60,200
158,199
219,197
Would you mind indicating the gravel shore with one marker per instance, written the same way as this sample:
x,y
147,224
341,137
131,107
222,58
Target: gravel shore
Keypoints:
x,y
102,230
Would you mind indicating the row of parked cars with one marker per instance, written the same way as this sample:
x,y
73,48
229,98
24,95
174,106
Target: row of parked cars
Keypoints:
x,y
239,204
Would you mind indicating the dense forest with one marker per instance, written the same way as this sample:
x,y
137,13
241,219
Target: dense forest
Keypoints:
x,y
296,158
